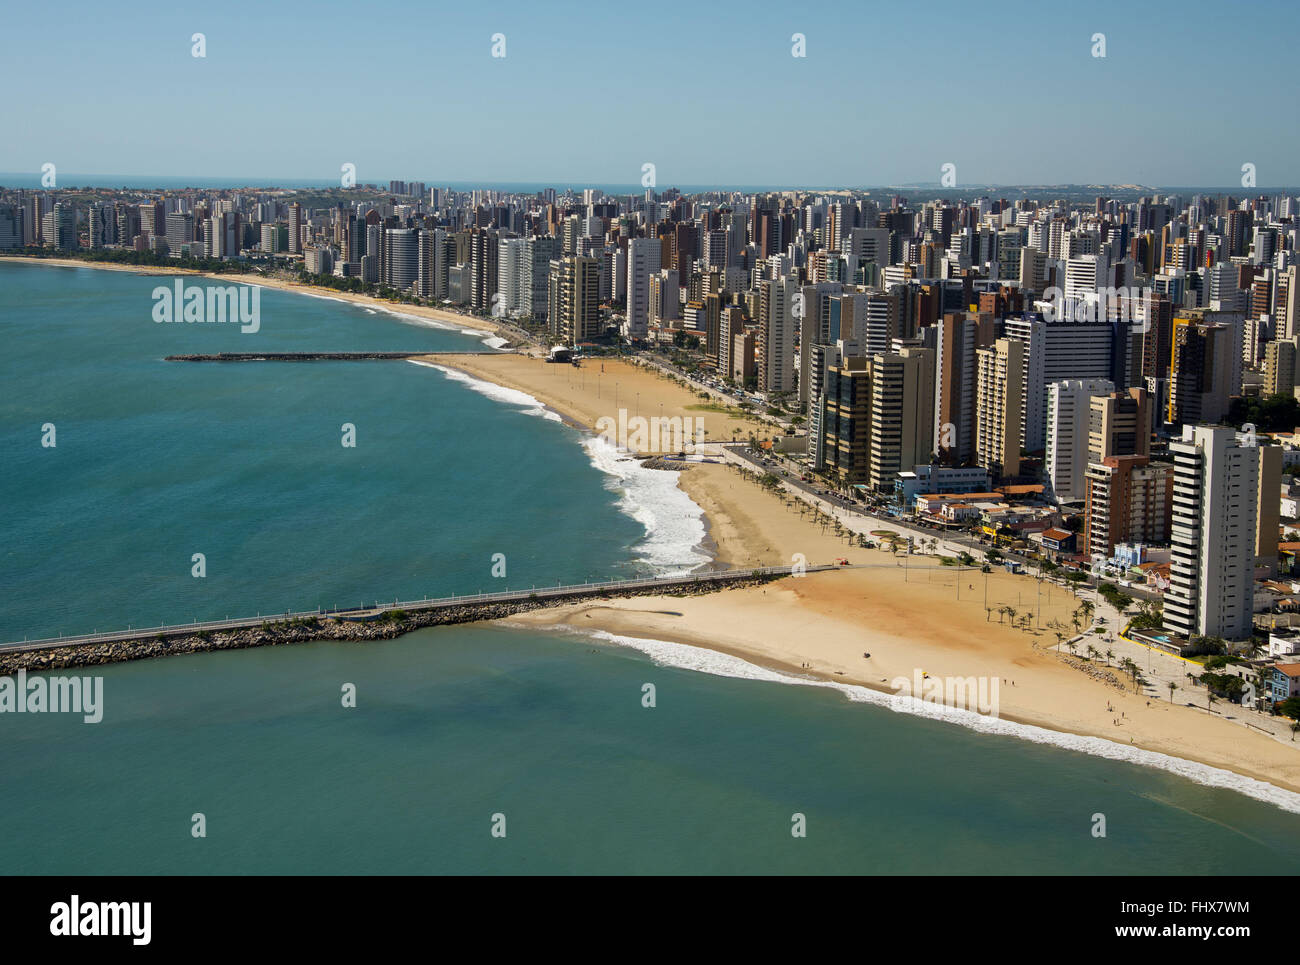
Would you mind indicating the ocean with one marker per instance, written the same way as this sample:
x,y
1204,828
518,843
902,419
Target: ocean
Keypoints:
x,y
459,731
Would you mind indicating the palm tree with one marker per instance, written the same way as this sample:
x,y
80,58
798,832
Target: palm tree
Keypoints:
x,y
1110,654
1093,652
1172,687
1011,613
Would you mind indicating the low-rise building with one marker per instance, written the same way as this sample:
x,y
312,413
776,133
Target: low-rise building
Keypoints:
x,y
1284,682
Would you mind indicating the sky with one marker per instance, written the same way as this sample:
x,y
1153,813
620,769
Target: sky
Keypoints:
x,y
709,92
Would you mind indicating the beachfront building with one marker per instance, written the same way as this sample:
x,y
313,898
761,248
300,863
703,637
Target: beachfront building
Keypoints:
x,y
902,413
1128,499
1213,534
846,421
573,315
401,258
932,479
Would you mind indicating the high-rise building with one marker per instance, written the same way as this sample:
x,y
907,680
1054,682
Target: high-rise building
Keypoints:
x,y
1068,410
1279,367
535,266
902,414
777,334
1201,371
958,338
1057,352
1268,510
60,227
510,259
845,422
999,407
643,258
180,232
432,280
401,258
295,228
1216,491
732,324
573,314
11,227
1128,499
485,251
1119,424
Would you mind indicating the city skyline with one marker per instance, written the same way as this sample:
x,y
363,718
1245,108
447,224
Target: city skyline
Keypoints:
x,y
280,96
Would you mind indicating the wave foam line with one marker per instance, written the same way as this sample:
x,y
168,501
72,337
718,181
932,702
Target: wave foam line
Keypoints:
x,y
701,660
673,522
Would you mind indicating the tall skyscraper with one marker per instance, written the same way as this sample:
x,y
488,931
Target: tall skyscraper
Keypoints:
x,y
11,227
902,414
1000,407
959,336
777,334
574,294
1279,367
1068,411
1201,372
1056,352
1216,482
295,228
401,258
643,258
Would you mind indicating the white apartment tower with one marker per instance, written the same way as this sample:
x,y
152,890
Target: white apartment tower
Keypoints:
x,y
1214,524
643,259
1068,409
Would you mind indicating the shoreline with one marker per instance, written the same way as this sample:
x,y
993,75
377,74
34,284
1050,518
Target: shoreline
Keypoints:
x,y
749,527
1152,730
1259,787
446,316
805,631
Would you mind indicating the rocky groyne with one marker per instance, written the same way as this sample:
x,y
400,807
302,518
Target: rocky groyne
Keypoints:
x,y
385,626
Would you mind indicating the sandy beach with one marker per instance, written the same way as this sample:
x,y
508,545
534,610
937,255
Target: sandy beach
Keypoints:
x,y
601,388
436,314
922,618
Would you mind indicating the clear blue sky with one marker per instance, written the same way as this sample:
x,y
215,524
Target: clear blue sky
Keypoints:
x,y
708,91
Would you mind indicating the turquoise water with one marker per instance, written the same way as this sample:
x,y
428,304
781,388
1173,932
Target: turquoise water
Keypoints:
x,y
455,725
158,460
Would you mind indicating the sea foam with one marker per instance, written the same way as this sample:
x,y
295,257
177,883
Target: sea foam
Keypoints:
x,y
673,523
701,660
